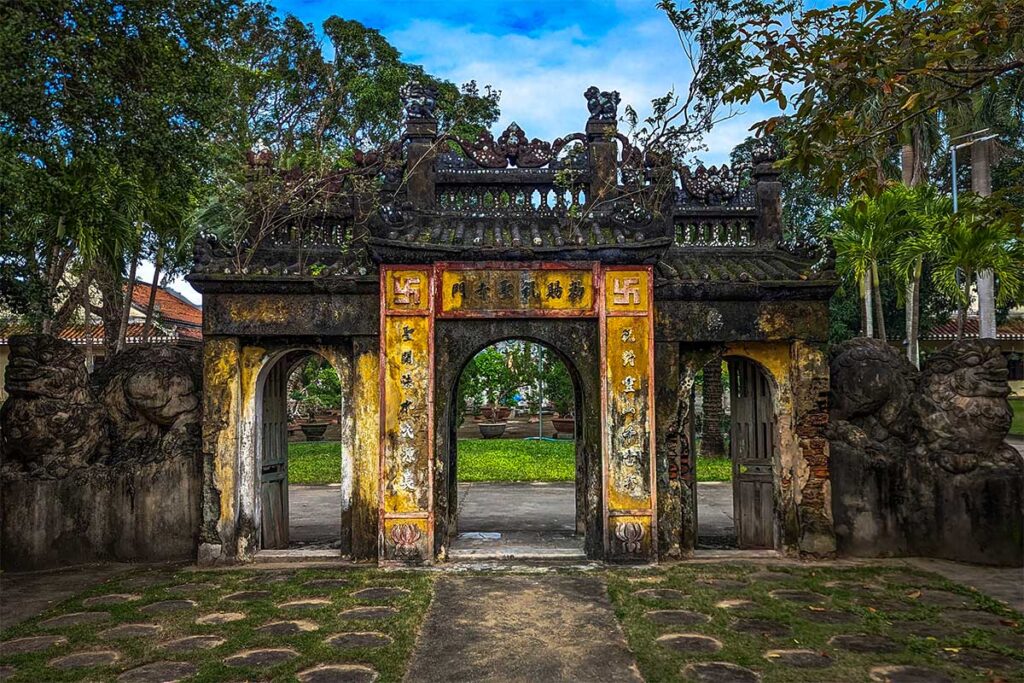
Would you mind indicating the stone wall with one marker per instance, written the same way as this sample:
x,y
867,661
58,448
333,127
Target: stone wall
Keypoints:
x,y
101,467
149,512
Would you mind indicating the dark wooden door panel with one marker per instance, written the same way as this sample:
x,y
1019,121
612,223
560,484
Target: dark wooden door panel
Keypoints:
x,y
752,448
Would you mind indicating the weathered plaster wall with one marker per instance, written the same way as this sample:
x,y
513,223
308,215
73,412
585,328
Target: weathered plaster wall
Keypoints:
x,y
131,513
739,321
221,413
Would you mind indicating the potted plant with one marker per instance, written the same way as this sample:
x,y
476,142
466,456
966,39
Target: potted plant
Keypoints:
x,y
560,391
315,425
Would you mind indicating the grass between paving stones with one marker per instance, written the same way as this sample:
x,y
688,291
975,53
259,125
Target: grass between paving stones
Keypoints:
x,y
389,661
660,664
1017,426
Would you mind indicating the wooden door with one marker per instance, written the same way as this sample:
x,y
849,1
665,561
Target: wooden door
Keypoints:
x,y
752,446
274,459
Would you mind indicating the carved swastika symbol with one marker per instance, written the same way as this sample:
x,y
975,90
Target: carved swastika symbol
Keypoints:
x,y
407,291
626,291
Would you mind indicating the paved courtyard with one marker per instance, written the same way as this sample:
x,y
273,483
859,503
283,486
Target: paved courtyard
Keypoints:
x,y
738,621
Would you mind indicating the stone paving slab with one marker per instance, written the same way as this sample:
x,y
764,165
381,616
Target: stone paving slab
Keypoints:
x,y
521,629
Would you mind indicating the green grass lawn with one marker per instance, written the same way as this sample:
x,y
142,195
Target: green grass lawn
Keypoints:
x,y
314,462
1018,416
479,460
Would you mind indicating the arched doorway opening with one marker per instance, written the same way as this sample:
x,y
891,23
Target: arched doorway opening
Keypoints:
x,y
737,456
514,472
302,478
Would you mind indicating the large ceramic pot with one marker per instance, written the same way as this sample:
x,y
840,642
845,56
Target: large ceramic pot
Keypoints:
x,y
564,425
314,431
491,430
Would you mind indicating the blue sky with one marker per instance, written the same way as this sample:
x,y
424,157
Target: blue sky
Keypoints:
x,y
541,55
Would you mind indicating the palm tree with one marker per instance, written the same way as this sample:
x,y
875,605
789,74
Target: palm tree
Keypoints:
x,y
963,245
866,231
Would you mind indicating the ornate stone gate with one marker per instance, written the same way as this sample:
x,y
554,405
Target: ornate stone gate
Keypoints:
x,y
633,268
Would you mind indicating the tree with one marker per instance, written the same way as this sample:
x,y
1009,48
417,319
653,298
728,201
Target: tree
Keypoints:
x,y
851,77
964,244
863,233
104,127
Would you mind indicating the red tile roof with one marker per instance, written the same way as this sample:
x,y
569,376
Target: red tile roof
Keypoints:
x,y
77,334
171,307
1012,329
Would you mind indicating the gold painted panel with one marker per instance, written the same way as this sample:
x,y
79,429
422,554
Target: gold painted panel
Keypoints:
x,y
626,291
407,290
522,290
628,422
406,384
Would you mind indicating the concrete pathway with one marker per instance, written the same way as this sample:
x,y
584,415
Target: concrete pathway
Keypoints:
x,y
25,594
314,515
1005,584
521,629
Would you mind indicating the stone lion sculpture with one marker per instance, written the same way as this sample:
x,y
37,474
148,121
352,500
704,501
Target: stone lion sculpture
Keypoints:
x,y
152,399
51,422
603,105
918,459
142,405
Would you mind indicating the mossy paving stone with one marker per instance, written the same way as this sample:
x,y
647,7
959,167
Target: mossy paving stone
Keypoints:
x,y
159,672
802,597
883,605
982,661
736,605
169,606
20,646
192,588
864,590
193,643
676,617
972,618
762,627
719,672
380,593
778,577
659,594
369,613
75,619
271,577
901,578
864,643
261,657
131,631
338,673
305,604
216,618
1010,639
799,659
246,596
111,599
81,660
144,581
827,616
359,639
924,629
329,584
6,672
722,584
288,628
689,643
937,598
908,674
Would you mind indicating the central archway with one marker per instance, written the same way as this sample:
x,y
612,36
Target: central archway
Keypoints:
x,y
575,343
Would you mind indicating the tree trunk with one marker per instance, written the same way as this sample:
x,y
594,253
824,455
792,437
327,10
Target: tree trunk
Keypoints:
x,y
90,355
961,318
711,444
981,183
866,310
877,291
151,305
907,164
914,311
129,290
